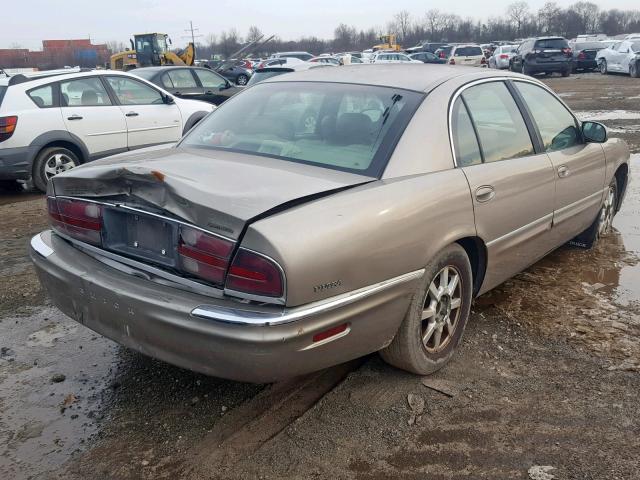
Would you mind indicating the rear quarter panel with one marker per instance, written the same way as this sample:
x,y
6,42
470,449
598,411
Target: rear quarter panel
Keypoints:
x,y
365,235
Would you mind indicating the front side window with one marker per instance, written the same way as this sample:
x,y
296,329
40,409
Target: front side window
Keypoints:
x,y
498,121
345,127
209,79
42,96
132,92
557,126
84,92
182,78
464,138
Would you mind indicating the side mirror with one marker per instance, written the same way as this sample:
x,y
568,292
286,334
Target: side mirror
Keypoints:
x,y
594,132
168,100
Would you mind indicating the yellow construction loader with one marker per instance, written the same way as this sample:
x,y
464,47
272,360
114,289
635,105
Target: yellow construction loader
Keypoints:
x,y
387,42
152,49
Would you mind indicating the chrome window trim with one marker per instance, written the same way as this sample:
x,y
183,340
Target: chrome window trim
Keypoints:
x,y
288,315
501,78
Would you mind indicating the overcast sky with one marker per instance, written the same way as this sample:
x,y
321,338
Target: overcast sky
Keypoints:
x,y
27,22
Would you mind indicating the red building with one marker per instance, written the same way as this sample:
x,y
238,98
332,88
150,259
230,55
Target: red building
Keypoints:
x,y
56,54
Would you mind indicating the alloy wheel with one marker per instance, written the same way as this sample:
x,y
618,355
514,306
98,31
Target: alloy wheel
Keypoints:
x,y
58,163
607,212
603,67
242,80
441,310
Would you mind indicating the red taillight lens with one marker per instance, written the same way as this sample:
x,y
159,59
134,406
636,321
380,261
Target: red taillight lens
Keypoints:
x,y
203,255
566,51
483,61
332,332
7,127
452,61
504,56
76,218
254,274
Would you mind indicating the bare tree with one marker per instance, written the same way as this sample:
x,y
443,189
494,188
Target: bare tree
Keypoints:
x,y
518,13
254,34
116,46
589,14
434,22
344,38
549,18
402,22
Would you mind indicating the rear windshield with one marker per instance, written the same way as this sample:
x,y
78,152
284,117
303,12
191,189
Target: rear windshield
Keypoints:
x,y
552,43
3,88
588,46
635,46
260,76
467,51
340,126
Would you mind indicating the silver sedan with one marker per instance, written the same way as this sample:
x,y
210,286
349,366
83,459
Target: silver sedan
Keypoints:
x,y
502,56
260,247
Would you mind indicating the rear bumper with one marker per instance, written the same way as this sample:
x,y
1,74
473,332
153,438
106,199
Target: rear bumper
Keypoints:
x,y
586,64
548,67
15,163
217,337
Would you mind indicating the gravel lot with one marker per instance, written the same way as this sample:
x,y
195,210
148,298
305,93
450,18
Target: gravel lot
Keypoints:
x,y
548,376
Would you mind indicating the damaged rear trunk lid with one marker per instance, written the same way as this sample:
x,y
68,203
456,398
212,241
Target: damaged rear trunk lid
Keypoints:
x,y
215,190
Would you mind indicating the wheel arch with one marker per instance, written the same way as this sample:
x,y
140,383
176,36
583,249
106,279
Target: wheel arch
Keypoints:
x,y
477,252
622,178
62,139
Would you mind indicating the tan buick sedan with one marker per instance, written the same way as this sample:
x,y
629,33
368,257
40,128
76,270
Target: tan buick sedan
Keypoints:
x,y
324,215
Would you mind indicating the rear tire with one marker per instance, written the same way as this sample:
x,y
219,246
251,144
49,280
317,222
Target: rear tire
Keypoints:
x,y
634,70
566,72
524,70
242,79
437,316
601,226
50,162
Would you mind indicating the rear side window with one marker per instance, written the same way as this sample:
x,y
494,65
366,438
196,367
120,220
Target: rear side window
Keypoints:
x,y
464,137
498,121
552,44
85,92
557,126
468,51
42,96
209,79
182,78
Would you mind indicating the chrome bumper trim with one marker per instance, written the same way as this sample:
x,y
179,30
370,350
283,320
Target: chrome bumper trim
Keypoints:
x,y
39,246
287,315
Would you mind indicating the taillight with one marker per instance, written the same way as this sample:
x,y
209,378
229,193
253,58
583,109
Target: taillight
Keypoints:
x,y
76,218
566,51
581,56
504,56
483,61
255,274
203,255
452,61
7,127
441,55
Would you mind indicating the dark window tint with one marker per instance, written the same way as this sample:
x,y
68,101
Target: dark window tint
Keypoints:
x,y
182,78
132,92
261,75
2,90
208,79
42,96
467,51
166,81
340,126
464,138
85,92
557,126
588,46
552,44
500,126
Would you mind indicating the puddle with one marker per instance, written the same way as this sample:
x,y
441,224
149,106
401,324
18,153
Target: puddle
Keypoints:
x,y
599,115
591,296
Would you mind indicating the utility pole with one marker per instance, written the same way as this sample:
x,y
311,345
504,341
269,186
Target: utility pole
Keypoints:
x,y
193,36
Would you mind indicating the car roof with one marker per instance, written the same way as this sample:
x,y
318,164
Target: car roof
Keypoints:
x,y
34,82
418,77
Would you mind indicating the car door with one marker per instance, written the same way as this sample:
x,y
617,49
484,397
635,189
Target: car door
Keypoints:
x,y
512,186
184,84
150,121
216,88
91,115
626,54
579,167
616,56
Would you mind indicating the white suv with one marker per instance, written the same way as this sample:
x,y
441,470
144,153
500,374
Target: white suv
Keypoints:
x,y
470,55
51,124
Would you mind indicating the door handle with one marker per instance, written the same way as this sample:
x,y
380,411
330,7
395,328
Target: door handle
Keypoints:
x,y
485,193
131,114
563,171
74,117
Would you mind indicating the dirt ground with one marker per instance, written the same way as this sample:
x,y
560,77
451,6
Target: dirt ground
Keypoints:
x,y
545,384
